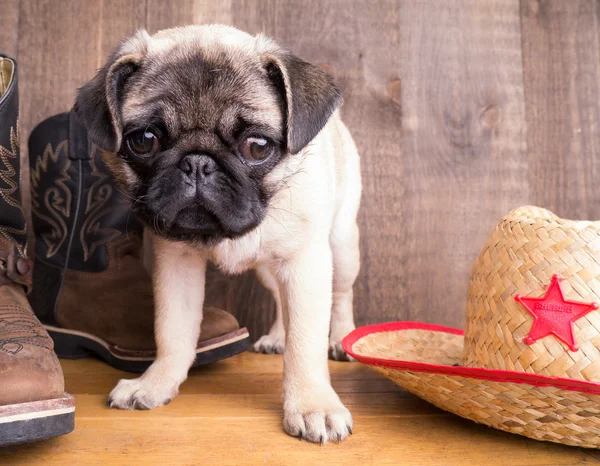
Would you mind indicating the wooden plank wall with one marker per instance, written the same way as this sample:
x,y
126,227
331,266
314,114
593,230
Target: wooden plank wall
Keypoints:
x,y
461,109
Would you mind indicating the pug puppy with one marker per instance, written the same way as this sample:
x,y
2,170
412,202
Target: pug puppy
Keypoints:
x,y
234,152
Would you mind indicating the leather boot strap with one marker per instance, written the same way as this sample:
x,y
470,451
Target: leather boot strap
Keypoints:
x,y
14,268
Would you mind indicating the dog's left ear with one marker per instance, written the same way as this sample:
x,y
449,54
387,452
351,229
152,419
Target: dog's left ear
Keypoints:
x,y
98,103
309,95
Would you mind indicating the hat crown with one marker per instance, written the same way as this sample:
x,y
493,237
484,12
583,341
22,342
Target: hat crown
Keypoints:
x,y
527,248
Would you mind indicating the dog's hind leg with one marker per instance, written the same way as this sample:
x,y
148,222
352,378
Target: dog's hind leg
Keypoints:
x,y
346,264
274,341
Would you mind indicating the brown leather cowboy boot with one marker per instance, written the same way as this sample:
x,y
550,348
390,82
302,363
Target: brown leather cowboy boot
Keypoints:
x,y
91,289
33,405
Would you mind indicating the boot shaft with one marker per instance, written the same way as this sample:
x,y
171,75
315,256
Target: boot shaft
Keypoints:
x,y
80,218
76,207
14,266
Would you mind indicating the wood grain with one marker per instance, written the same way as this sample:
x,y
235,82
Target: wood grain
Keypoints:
x,y
58,51
220,419
119,19
9,27
461,110
464,143
163,15
562,85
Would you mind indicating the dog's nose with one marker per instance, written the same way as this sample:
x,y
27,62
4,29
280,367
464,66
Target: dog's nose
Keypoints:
x,y
198,166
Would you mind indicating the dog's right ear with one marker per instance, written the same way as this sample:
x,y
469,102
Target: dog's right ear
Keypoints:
x,y
309,94
98,103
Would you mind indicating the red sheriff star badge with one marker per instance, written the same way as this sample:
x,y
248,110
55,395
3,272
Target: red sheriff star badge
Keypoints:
x,y
554,315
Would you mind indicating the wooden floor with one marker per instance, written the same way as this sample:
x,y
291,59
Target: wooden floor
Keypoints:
x,y
230,413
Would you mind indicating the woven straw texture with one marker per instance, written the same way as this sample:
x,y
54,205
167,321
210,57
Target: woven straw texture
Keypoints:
x,y
524,251
541,413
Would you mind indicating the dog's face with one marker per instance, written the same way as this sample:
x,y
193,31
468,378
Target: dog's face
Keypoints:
x,y
194,119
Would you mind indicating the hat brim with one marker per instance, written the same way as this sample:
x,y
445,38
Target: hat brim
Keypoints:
x,y
424,359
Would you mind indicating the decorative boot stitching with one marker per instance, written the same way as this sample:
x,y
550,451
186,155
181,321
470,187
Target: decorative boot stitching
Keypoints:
x,y
11,181
99,203
18,328
57,198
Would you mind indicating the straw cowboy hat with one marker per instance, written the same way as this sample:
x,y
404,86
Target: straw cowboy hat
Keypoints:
x,y
528,361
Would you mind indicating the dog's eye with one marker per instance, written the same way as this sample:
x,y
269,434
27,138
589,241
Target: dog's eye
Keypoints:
x,y
143,143
255,149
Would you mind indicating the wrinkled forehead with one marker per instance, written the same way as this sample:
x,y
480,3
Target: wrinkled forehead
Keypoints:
x,y
189,85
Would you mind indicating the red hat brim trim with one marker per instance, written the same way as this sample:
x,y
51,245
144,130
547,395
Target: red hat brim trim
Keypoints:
x,y
494,375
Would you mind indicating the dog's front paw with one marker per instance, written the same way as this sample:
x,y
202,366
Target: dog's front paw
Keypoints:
x,y
139,394
318,423
270,344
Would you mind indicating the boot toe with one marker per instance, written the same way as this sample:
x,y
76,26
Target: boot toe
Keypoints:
x,y
29,368
32,378
216,323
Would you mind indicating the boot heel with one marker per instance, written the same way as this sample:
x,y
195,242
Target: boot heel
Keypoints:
x,y
68,346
